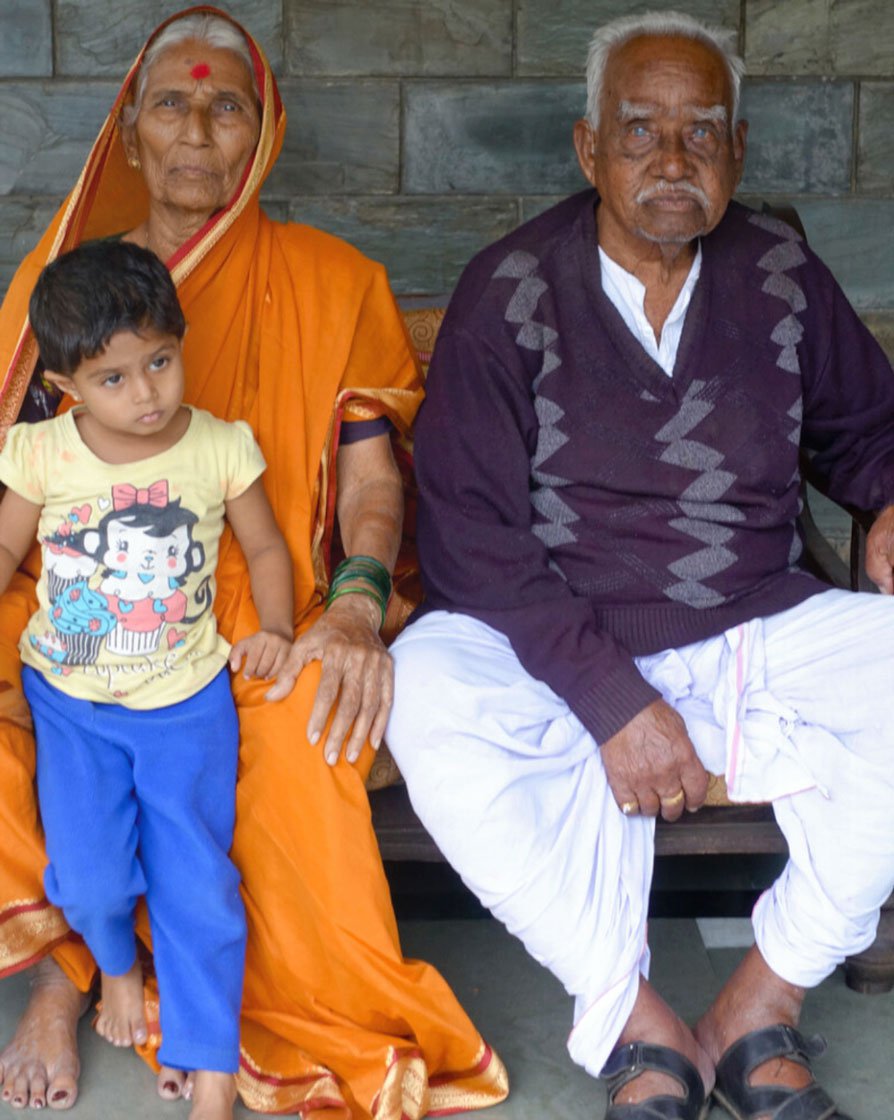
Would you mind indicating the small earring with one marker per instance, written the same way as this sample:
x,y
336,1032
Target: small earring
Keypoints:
x,y
134,162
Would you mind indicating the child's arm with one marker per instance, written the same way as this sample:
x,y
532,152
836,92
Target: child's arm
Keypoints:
x,y
270,571
19,519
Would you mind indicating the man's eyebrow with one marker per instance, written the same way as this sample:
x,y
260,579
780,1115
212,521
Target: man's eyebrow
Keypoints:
x,y
631,111
716,113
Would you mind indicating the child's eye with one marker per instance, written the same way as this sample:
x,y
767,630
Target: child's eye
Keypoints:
x,y
158,363
113,379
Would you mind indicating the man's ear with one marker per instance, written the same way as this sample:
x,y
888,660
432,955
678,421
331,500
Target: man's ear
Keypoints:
x,y
62,381
585,146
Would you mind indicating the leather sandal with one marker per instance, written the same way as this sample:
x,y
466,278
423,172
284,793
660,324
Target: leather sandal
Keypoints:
x,y
744,1101
634,1058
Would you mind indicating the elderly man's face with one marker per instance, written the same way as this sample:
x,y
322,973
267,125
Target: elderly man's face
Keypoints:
x,y
665,158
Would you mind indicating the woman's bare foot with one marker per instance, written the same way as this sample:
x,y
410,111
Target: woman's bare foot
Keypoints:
x,y
653,1021
174,1084
39,1068
122,1020
752,998
213,1096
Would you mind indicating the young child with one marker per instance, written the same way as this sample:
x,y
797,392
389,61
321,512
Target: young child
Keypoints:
x,y
125,673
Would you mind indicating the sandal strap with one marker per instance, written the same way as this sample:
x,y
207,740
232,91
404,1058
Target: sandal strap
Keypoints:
x,y
629,1061
746,1101
757,1047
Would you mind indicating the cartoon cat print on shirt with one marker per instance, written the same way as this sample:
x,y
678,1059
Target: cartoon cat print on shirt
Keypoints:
x,y
144,550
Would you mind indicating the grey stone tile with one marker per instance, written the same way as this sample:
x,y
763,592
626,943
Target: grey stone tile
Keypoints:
x,y
96,38
847,234
789,38
422,37
22,223
342,138
26,45
553,38
48,129
423,243
862,34
490,137
875,154
837,37
800,136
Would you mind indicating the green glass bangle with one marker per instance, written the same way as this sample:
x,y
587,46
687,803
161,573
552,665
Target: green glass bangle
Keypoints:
x,y
350,578
333,595
368,568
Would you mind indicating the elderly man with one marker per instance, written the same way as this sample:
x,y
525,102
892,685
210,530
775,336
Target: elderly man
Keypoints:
x,y
608,470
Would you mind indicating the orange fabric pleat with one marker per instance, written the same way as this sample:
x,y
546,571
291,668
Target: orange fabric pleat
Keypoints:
x,y
287,327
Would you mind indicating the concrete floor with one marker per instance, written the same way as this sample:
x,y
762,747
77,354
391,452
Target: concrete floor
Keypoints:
x,y
526,1016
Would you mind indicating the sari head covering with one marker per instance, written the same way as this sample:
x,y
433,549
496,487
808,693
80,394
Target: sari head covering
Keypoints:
x,y
295,332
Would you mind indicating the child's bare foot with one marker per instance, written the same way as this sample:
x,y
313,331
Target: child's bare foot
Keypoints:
x,y
122,1020
213,1095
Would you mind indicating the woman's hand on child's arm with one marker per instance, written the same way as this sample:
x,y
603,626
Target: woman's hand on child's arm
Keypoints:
x,y
19,519
260,655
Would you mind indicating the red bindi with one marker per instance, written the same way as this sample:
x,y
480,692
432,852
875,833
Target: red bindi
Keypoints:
x,y
200,70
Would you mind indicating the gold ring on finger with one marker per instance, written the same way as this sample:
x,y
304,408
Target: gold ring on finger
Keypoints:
x,y
675,800
629,807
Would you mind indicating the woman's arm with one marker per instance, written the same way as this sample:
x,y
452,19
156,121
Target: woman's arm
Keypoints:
x,y
356,683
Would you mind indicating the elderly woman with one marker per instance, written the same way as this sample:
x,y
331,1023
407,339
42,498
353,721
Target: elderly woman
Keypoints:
x,y
298,334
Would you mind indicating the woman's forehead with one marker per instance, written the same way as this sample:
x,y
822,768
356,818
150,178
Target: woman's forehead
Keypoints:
x,y
192,61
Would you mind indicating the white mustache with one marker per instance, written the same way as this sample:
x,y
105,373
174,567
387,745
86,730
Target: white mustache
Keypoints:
x,y
663,187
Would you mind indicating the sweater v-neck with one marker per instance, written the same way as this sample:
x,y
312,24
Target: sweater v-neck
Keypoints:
x,y
635,358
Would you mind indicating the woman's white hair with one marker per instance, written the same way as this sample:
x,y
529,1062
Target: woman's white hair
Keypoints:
x,y
620,31
208,29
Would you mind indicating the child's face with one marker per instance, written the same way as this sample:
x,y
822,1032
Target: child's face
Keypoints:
x,y
135,386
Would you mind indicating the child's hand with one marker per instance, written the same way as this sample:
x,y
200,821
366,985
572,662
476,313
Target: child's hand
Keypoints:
x,y
264,654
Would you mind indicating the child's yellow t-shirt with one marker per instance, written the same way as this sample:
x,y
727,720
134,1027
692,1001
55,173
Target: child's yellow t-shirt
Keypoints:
x,y
129,555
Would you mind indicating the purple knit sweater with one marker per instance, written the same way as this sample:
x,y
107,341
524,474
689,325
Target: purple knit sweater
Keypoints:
x,y
589,507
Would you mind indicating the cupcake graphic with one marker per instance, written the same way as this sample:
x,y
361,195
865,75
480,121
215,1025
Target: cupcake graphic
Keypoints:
x,y
65,560
65,566
83,619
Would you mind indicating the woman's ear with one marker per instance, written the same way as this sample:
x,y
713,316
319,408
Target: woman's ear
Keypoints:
x,y
64,382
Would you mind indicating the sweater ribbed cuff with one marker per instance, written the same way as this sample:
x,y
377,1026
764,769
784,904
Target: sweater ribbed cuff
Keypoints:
x,y
613,701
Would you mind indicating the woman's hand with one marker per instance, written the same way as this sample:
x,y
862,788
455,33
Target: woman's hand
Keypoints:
x,y
357,678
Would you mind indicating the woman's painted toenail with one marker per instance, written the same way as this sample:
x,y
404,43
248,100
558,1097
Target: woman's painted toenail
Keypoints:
x,y
60,1095
171,1086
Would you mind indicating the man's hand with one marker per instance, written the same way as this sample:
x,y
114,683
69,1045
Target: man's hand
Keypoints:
x,y
880,552
263,653
357,679
652,766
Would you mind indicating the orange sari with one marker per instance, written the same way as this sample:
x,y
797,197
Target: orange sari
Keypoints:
x,y
291,330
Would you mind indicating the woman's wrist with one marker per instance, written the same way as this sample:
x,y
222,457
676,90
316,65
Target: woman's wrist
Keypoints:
x,y
356,604
361,577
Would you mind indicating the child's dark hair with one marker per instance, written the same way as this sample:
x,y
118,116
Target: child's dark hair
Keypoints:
x,y
84,297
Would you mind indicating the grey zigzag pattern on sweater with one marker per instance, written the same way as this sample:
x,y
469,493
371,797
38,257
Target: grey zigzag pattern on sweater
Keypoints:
x,y
789,331
537,336
704,515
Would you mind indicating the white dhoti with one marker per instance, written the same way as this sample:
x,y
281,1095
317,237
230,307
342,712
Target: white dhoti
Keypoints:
x,y
797,709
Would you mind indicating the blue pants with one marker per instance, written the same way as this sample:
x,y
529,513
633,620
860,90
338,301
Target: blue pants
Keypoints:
x,y
143,802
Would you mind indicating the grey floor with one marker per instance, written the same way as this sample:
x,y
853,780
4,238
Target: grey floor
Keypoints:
x,y
526,1016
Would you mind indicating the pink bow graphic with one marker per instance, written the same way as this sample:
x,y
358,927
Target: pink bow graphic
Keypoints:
x,y
124,495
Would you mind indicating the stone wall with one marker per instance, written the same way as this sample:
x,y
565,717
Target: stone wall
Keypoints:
x,y
422,129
